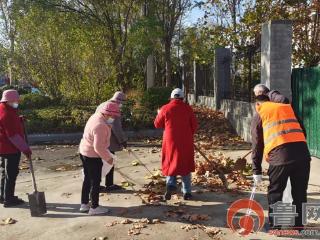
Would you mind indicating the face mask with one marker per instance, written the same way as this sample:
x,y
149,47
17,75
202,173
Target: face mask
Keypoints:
x,y
14,105
120,105
110,120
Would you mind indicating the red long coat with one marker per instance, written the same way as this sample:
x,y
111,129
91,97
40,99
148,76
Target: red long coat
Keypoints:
x,y
180,124
10,125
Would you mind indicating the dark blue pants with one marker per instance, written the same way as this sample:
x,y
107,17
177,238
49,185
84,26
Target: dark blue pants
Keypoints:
x,y
9,170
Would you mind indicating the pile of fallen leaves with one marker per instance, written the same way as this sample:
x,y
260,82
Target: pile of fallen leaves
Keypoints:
x,y
214,129
137,225
206,174
151,193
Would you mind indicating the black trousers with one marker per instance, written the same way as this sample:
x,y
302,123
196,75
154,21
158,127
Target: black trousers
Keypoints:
x,y
92,178
109,176
9,170
299,176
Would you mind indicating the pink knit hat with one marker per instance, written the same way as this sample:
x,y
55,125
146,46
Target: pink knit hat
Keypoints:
x,y
10,95
118,97
111,108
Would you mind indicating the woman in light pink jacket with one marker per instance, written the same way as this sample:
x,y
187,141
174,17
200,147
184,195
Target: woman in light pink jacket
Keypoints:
x,y
93,150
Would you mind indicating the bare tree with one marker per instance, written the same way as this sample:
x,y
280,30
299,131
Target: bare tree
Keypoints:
x,y
168,13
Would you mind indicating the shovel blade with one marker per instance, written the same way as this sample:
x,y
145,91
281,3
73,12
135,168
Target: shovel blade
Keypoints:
x,y
37,202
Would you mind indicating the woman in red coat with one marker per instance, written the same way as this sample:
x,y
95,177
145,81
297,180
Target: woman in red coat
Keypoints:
x,y
180,124
12,143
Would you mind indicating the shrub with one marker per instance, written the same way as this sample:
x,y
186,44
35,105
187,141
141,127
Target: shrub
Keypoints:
x,y
57,119
154,98
21,90
34,101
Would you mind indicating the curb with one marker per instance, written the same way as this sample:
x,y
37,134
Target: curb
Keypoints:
x,y
74,138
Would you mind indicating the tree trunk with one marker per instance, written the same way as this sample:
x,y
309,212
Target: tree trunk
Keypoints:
x,y
10,62
167,55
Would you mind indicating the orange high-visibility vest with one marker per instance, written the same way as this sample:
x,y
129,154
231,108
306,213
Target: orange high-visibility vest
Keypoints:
x,y
280,125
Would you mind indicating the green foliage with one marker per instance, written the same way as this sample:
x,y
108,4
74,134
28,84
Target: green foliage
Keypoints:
x,y
20,90
34,101
57,119
154,98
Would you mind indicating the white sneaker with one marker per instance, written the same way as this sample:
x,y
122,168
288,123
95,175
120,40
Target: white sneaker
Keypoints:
x,y
84,208
98,211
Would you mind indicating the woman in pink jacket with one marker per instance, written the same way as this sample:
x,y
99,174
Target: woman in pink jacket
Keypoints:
x,y
93,150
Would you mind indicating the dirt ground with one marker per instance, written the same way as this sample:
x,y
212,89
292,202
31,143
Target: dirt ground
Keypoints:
x,y
58,174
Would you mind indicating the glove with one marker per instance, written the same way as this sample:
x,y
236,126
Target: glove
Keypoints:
x,y
257,179
124,144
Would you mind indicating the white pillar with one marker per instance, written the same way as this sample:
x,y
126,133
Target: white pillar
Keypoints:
x,y
276,49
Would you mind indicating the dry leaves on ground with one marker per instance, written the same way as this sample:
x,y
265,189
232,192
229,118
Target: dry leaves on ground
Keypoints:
x,y
135,163
67,195
215,130
240,180
23,167
137,225
183,215
195,217
211,231
126,184
8,221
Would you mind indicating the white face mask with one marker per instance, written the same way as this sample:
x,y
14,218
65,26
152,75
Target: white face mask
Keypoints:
x,y
110,121
14,105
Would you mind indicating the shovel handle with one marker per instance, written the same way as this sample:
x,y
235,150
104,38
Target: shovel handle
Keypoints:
x,y
32,175
29,158
215,166
139,160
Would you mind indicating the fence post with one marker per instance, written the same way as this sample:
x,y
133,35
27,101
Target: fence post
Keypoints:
x,y
195,87
276,45
150,71
222,76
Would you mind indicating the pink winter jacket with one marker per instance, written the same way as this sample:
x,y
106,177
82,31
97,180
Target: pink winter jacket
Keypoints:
x,y
96,138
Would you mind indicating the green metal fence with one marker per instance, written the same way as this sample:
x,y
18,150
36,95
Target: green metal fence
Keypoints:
x,y
306,102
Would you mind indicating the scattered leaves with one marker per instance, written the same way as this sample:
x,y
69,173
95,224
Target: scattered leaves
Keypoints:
x,y
156,221
126,221
189,227
8,221
23,167
135,163
126,184
67,195
112,224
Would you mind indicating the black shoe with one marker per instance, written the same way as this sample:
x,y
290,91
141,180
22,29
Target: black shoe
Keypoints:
x,y
1,200
102,189
170,190
113,187
13,202
187,196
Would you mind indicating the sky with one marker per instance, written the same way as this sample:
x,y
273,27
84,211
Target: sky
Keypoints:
x,y
191,17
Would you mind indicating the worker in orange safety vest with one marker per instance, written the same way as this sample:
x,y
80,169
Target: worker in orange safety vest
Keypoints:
x,y
278,136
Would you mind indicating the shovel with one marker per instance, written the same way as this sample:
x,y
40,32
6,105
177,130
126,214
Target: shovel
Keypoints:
x,y
37,200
